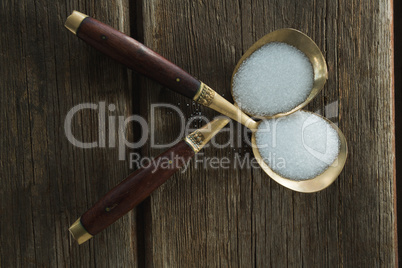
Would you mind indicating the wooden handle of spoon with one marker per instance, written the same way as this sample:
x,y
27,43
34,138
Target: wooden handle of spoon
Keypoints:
x,y
130,192
132,54
138,57
141,183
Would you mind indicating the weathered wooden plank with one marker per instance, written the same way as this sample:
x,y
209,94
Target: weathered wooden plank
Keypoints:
x,y
202,217
366,84
46,182
238,217
398,108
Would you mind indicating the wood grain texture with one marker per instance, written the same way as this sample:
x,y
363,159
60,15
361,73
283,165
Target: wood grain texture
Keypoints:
x,y
239,217
46,182
201,217
398,109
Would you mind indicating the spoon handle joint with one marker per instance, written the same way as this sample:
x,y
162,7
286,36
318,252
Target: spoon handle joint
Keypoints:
x,y
208,97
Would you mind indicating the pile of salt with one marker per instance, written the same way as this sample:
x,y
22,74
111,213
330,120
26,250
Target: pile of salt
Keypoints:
x,y
299,146
274,79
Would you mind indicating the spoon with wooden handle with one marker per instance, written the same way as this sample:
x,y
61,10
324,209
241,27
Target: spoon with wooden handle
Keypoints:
x,y
141,183
143,60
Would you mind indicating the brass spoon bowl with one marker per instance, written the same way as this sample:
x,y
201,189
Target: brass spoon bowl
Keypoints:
x,y
306,45
317,183
303,43
288,36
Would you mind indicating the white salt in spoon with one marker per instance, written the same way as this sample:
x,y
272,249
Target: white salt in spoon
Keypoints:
x,y
303,151
280,74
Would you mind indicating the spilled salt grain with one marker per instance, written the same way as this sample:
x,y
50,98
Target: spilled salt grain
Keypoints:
x,y
299,146
274,79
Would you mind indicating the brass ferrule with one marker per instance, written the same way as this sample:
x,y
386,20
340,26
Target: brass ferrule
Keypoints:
x,y
74,21
199,138
79,232
208,97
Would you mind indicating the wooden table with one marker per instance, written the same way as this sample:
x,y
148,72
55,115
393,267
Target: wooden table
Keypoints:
x,y
202,217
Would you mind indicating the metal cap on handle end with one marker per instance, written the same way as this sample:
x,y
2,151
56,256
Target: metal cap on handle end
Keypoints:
x,y
74,21
79,233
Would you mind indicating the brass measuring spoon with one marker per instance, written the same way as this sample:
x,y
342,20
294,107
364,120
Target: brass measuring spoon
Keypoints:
x,y
319,182
138,57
